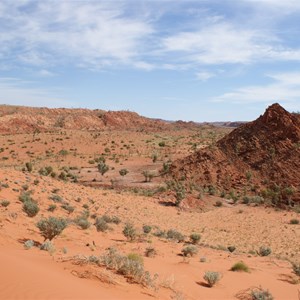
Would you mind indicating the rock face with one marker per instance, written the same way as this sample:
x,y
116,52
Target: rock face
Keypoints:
x,y
263,154
18,119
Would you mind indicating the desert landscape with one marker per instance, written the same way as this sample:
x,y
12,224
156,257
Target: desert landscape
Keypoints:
x,y
112,205
149,149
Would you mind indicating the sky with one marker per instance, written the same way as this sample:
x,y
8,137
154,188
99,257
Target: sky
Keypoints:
x,y
204,60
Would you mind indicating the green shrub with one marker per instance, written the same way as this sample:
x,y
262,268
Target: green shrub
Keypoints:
x,y
111,219
211,278
56,198
135,257
195,238
25,196
83,223
264,251
129,232
31,208
123,172
147,229
52,207
103,168
5,203
189,251
240,267
175,235
69,208
294,221
51,227
130,266
101,224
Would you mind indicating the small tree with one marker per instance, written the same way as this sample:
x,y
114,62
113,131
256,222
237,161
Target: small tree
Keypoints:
x,y
51,227
129,231
103,168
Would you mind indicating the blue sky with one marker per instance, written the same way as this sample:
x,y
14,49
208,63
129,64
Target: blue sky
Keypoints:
x,y
204,60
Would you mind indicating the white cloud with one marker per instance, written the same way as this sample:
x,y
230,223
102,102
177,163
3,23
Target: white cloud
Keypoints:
x,y
282,4
224,43
204,75
54,32
285,88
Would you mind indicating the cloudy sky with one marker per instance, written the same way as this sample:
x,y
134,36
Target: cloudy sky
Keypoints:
x,y
203,60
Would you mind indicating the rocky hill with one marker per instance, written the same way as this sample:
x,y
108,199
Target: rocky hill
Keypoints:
x,y
259,155
19,119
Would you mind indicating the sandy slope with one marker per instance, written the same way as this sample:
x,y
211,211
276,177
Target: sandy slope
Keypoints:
x,y
34,274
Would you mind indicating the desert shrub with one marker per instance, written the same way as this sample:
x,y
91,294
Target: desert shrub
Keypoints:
x,y
25,187
102,168
29,166
160,233
195,238
36,182
25,196
5,203
83,223
62,175
147,229
154,157
52,207
136,257
51,227
47,246
28,244
56,198
175,235
231,248
111,219
69,208
211,277
131,268
150,252
203,259
101,224
86,206
129,232
189,251
123,172
93,259
260,294
179,189
294,221
31,208
296,268
264,251
211,190
239,267
219,203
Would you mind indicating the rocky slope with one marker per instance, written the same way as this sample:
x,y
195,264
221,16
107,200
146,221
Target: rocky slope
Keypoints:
x,y
263,154
18,119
